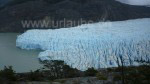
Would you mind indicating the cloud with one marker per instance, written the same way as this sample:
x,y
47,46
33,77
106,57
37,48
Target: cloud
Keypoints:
x,y
136,2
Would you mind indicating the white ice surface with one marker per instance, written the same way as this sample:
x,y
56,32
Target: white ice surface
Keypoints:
x,y
93,45
136,2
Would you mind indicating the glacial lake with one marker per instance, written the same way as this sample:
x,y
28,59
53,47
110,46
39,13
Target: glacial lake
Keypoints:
x,y
10,55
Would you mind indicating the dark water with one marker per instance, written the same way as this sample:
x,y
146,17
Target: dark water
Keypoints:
x,y
10,55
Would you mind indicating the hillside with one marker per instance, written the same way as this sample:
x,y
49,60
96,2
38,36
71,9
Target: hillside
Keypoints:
x,y
3,2
96,10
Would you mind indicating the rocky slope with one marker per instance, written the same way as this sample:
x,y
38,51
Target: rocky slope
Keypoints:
x,y
96,10
3,2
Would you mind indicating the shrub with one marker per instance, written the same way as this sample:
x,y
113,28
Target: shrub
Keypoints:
x,y
81,1
138,75
101,76
53,1
70,72
117,77
91,72
35,76
8,74
118,69
59,69
110,69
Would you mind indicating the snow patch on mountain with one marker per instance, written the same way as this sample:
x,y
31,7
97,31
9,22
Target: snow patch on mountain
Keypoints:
x,y
136,2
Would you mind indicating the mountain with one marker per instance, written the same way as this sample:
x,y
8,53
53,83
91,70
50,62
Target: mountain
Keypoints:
x,y
15,11
4,2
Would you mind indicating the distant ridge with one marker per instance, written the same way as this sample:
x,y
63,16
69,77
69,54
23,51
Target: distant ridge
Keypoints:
x,y
96,10
4,2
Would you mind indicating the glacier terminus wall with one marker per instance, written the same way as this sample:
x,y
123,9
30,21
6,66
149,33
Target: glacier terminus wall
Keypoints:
x,y
98,45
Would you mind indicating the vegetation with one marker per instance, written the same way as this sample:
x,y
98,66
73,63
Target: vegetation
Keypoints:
x,y
91,72
35,76
53,1
8,74
55,69
101,76
58,69
117,77
134,75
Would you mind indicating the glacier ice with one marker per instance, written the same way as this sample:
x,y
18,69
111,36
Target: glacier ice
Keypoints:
x,y
98,45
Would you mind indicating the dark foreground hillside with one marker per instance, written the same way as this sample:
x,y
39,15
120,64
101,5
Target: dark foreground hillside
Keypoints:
x,y
130,75
16,11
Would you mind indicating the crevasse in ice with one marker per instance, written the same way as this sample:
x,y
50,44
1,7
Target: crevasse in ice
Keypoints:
x,y
98,45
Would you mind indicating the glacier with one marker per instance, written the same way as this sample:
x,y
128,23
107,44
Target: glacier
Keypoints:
x,y
98,45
